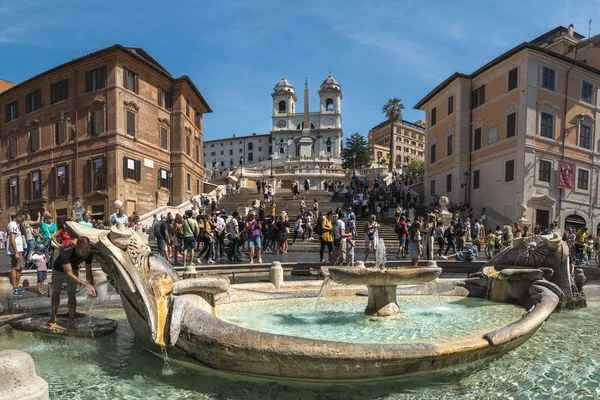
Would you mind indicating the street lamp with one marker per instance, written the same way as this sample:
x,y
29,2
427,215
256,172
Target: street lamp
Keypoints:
x,y
464,185
242,167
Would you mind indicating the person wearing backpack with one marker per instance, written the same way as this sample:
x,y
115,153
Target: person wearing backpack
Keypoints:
x,y
401,230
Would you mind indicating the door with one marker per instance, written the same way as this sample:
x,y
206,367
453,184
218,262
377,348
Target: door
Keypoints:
x,y
130,207
542,218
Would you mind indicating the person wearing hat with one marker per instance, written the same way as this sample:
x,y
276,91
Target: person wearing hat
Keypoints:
x,y
38,256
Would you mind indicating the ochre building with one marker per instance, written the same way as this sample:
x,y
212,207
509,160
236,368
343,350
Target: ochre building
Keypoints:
x,y
515,130
113,124
409,143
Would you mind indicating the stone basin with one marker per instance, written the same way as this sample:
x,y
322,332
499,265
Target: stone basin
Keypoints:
x,y
382,283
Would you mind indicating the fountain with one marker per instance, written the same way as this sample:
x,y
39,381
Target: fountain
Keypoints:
x,y
191,320
382,283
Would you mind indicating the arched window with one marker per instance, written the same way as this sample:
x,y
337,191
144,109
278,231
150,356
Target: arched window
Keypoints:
x,y
328,143
398,159
282,106
300,126
329,104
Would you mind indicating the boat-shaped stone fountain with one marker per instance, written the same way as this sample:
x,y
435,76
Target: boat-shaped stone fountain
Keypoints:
x,y
183,318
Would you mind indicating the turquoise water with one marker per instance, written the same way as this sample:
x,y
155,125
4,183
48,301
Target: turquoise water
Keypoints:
x,y
422,318
561,362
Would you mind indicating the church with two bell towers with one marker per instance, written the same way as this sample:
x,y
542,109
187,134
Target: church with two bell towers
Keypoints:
x,y
309,135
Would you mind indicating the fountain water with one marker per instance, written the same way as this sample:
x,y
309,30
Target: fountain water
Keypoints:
x,y
327,282
380,254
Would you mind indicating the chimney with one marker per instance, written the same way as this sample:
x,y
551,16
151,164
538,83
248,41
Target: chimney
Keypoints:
x,y
234,135
571,30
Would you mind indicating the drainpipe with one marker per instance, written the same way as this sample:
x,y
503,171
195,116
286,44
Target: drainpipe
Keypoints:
x,y
468,182
593,165
76,169
564,133
171,201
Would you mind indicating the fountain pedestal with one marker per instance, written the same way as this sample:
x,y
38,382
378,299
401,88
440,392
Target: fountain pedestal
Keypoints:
x,y
382,283
382,301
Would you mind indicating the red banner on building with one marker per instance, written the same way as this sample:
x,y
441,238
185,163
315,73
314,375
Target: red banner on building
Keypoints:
x,y
565,177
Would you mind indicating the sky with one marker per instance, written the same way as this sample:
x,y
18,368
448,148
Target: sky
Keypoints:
x,y
235,51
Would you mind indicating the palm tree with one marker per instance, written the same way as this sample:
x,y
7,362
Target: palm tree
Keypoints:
x,y
393,111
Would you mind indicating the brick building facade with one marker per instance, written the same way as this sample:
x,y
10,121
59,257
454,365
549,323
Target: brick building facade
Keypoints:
x,y
113,124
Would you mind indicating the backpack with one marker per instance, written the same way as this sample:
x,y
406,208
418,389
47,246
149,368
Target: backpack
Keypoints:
x,y
156,229
400,229
319,227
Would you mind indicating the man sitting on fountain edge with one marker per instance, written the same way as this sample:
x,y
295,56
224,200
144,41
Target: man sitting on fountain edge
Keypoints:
x,y
66,270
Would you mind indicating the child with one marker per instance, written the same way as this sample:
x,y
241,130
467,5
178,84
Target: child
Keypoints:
x,y
38,256
350,244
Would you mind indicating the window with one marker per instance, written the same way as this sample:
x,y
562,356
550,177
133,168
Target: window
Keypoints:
x,y
131,80
433,116
398,159
449,183
250,157
328,144
477,139
450,105
197,119
34,139
547,125
406,159
240,151
60,133
95,79
188,146
431,153
212,153
513,78
329,105
163,138
33,101
12,147
231,152
398,148
130,123
476,179
223,151
544,171
197,186
132,169
479,96
282,106
449,145
583,176
511,125
98,173
250,146
164,98
587,92
406,141
163,178
432,188
198,153
62,180
548,78
585,136
493,134
187,110
420,154
14,190
12,111
97,121
509,171
413,143
59,91
222,163
35,185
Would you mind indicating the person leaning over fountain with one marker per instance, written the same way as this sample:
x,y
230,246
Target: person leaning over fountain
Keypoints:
x,y
66,270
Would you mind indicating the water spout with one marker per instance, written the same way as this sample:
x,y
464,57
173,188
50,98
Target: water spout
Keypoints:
x,y
327,282
380,255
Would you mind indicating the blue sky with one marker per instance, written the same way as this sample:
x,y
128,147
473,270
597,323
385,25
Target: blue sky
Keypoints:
x,y
236,50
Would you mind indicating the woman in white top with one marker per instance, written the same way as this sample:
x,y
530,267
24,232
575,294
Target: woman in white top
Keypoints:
x,y
371,236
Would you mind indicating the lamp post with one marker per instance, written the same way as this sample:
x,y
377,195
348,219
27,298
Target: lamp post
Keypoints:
x,y
68,124
271,166
242,168
464,185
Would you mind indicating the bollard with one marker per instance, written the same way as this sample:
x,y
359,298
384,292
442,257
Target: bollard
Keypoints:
x,y
5,286
359,264
101,285
19,380
190,272
276,274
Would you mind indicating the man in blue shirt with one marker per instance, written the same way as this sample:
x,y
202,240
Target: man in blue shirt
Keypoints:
x,y
119,216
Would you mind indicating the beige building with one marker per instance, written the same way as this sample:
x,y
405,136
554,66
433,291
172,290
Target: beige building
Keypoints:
x,y
4,85
409,143
113,124
497,136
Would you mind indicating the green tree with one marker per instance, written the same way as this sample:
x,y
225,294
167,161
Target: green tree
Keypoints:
x,y
393,111
416,166
356,153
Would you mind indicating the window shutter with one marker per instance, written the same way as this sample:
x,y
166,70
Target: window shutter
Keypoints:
x,y
28,190
102,77
125,74
52,182
482,94
136,84
124,167
130,123
138,170
104,174
99,120
67,180
7,191
88,81
88,173
92,123
158,177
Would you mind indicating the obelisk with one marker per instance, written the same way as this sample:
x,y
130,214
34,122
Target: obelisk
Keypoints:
x,y
306,141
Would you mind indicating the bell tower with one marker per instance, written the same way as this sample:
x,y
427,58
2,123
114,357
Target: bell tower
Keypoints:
x,y
284,105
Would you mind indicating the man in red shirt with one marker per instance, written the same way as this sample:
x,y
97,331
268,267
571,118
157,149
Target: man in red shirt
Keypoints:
x,y
401,229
